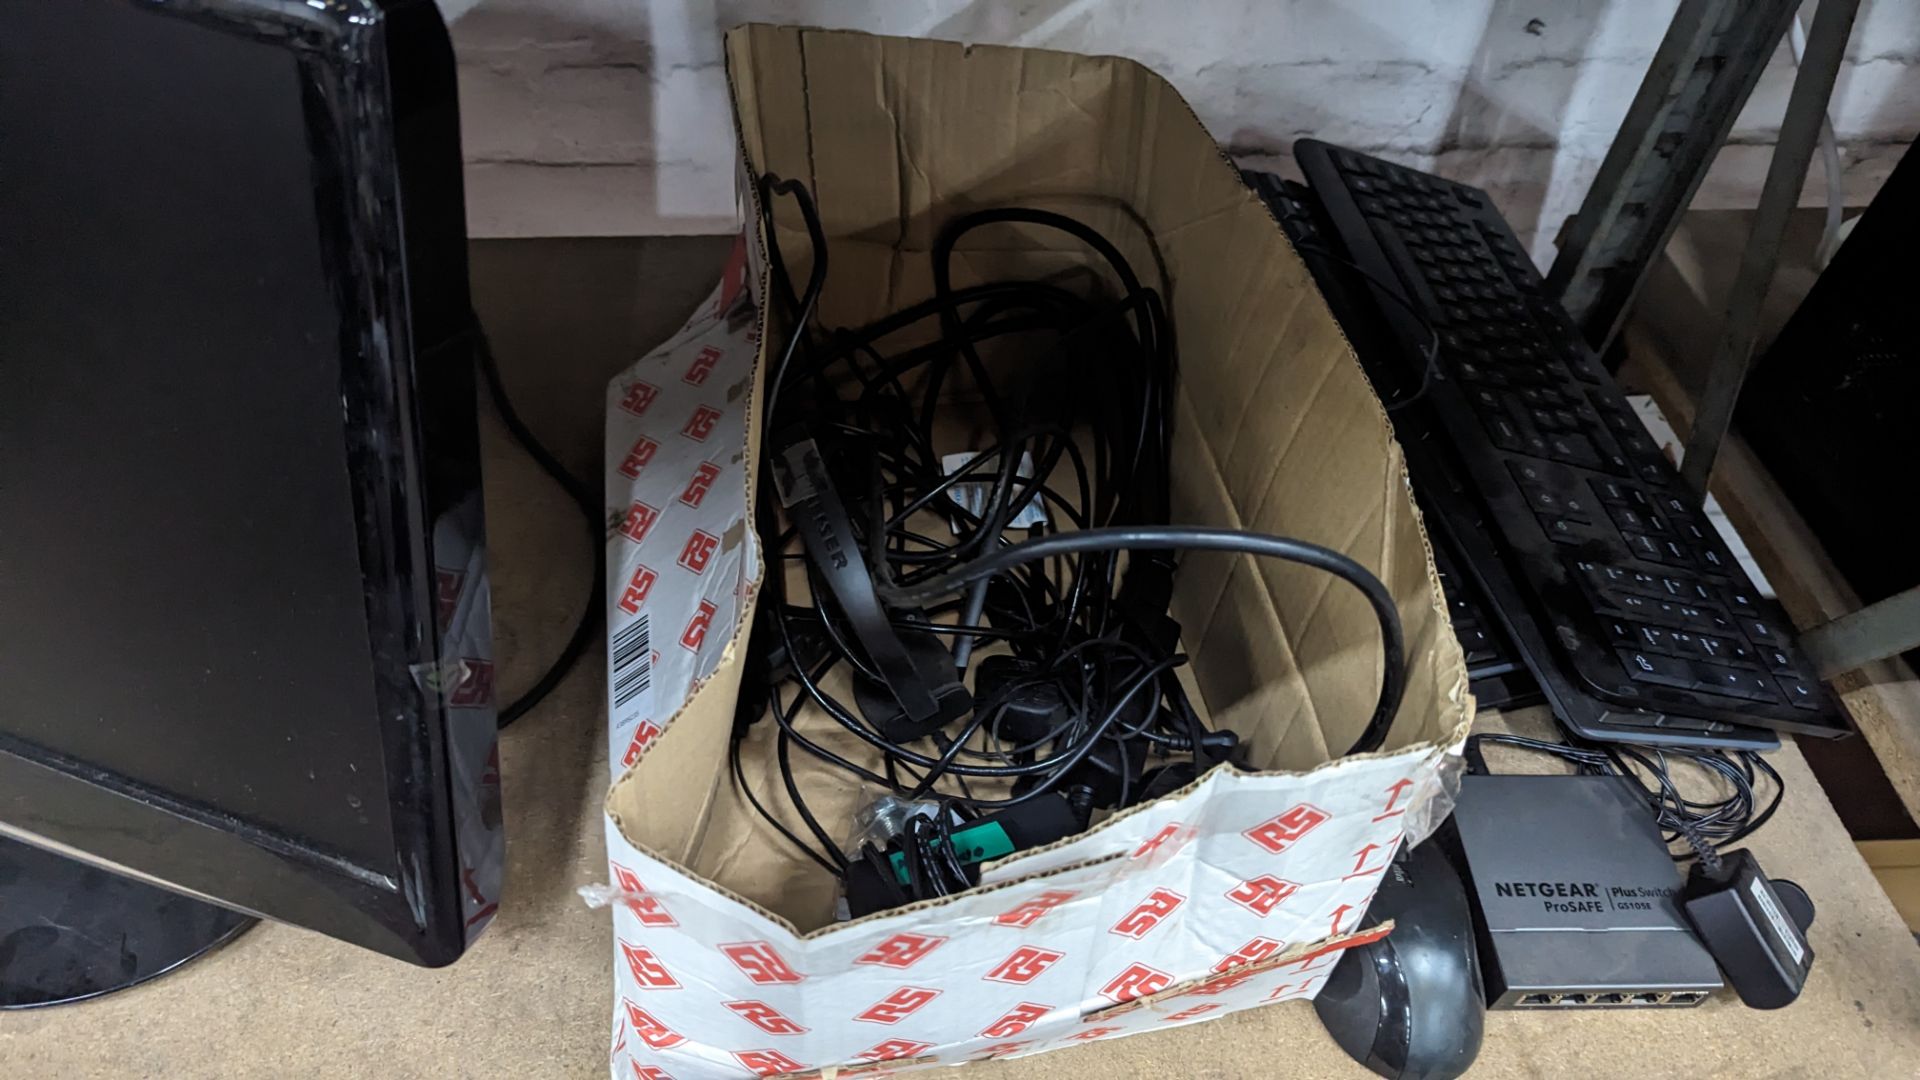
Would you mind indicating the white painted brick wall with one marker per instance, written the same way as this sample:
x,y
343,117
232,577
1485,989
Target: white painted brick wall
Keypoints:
x,y
586,117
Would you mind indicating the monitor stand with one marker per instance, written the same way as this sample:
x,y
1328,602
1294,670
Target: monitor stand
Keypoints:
x,y
70,931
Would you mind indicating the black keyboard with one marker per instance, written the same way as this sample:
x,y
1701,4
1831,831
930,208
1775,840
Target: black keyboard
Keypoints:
x,y
1634,617
1496,672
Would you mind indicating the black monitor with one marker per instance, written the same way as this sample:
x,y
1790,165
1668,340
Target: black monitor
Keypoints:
x,y
244,628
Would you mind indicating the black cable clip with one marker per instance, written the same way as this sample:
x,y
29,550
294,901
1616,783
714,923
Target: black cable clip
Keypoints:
x,y
921,681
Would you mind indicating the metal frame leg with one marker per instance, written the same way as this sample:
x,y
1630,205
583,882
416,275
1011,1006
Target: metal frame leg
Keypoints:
x,y
1700,77
1786,174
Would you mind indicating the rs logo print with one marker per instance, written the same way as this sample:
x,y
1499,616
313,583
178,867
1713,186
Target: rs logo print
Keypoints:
x,y
446,595
1093,1033
1165,843
765,1017
643,735
696,631
1262,894
698,551
1150,913
700,424
701,367
893,1050
649,1030
1188,1014
758,961
901,950
638,586
644,906
1027,913
1025,965
898,1005
648,1072
1284,831
639,521
638,457
767,1062
647,969
1018,1019
1251,953
639,398
704,474
1137,981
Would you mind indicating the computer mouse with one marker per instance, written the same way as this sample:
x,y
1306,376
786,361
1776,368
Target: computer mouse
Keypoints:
x,y
1411,1005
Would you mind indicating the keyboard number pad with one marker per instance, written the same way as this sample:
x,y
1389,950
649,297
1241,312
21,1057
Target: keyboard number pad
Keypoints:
x,y
1689,635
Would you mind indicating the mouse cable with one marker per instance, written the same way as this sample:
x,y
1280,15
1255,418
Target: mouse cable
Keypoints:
x,y
590,511
1703,824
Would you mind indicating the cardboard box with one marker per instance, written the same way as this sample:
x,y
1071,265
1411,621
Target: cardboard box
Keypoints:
x,y
1236,891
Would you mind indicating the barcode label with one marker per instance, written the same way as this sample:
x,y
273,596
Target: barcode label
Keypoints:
x,y
632,661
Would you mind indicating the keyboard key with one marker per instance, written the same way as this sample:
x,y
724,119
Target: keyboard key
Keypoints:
x,y
1648,667
1677,552
1620,631
1642,546
1527,472
1711,559
1653,639
1778,661
1760,633
1715,648
1747,685
1610,491
1476,643
1741,601
1574,450
1799,693
1562,530
1505,435
1627,518
1543,500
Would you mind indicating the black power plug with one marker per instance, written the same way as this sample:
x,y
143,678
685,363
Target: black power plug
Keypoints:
x,y
1755,928
1026,712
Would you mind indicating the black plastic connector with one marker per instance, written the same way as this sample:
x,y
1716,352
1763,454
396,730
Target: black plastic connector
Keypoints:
x,y
1755,928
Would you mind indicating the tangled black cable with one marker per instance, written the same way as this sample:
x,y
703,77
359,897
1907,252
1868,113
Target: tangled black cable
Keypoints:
x,y
1704,825
1039,567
